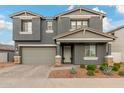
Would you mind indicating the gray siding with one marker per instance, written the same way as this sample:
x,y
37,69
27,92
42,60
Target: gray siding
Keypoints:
x,y
96,23
39,34
63,25
36,30
45,38
79,51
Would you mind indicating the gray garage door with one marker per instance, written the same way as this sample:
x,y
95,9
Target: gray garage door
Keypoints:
x,y
38,55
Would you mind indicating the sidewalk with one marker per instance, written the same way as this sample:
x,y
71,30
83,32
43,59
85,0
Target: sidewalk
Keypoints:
x,y
62,83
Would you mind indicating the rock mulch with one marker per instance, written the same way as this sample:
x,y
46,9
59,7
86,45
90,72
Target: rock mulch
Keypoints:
x,y
3,65
82,73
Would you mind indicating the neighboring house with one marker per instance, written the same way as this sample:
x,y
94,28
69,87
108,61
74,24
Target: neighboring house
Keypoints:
x,y
6,53
75,35
118,43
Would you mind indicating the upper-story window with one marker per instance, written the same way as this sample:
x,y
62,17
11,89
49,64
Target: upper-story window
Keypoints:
x,y
75,24
85,23
49,27
26,27
79,24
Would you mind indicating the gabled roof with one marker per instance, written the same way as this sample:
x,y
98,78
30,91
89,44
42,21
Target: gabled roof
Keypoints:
x,y
6,47
86,9
116,29
84,28
25,11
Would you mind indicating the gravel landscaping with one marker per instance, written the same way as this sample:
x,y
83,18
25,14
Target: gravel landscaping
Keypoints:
x,y
3,65
82,73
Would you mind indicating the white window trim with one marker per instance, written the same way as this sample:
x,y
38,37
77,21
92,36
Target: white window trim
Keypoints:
x,y
77,24
73,23
21,32
85,23
71,29
90,58
26,32
49,31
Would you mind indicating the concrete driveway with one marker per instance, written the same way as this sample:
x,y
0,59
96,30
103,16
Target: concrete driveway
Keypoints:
x,y
25,71
28,76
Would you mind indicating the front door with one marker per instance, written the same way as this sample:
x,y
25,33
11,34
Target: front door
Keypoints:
x,y
67,54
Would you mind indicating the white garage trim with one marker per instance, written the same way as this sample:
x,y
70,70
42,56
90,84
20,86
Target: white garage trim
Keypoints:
x,y
49,45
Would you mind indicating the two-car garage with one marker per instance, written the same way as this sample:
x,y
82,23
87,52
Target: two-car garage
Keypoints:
x,y
38,55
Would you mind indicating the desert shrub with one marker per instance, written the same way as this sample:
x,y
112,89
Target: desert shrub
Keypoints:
x,y
82,66
115,68
73,70
90,73
102,66
117,64
91,67
121,73
107,70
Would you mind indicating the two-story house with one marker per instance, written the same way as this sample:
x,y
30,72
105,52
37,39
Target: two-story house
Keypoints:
x,y
75,35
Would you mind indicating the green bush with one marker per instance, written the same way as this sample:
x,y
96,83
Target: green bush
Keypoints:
x,y
73,70
91,67
121,73
82,66
102,66
90,73
115,68
107,70
117,64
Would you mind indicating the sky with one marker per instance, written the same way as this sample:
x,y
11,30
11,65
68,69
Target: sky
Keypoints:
x,y
114,16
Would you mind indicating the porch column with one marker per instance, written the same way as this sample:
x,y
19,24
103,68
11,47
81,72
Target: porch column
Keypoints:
x,y
109,48
109,57
58,55
58,48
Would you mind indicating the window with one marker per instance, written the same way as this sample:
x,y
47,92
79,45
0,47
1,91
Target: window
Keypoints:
x,y
73,24
26,26
90,50
49,27
78,24
85,23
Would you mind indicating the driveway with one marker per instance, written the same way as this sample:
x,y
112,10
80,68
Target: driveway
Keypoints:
x,y
25,71
28,76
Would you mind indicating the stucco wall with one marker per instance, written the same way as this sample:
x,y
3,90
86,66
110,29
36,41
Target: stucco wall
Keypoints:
x,y
118,44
